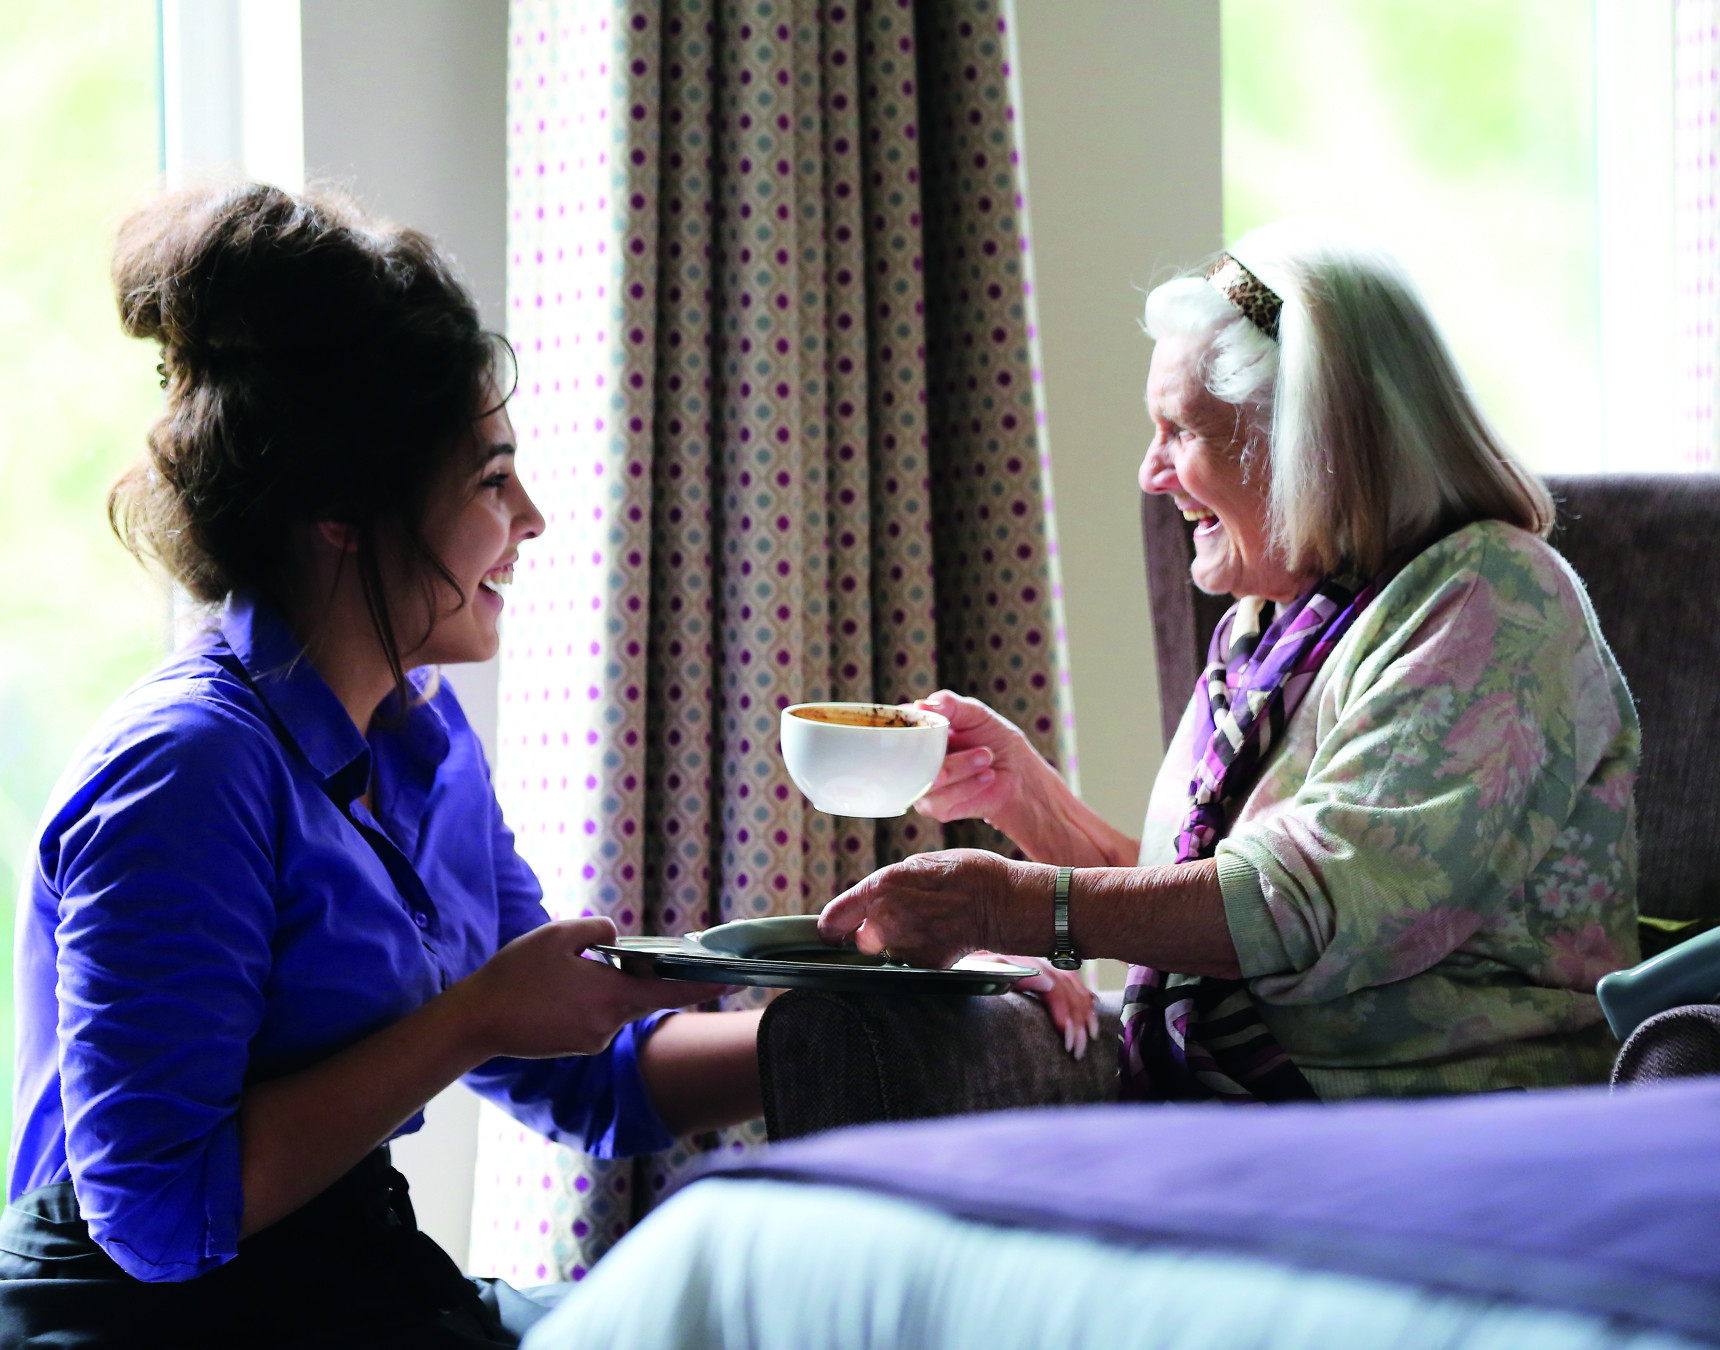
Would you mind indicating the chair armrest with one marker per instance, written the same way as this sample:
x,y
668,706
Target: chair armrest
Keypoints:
x,y
1678,1043
827,1060
1688,973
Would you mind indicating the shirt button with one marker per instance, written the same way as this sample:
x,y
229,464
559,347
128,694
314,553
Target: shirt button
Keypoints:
x,y
422,920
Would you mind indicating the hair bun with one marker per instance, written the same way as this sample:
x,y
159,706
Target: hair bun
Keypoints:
x,y
214,273
180,262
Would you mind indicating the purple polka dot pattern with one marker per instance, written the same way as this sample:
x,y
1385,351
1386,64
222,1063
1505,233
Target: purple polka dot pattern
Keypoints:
x,y
779,403
1696,174
539,1207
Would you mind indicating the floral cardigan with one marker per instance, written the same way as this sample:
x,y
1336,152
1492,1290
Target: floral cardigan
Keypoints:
x,y
1439,859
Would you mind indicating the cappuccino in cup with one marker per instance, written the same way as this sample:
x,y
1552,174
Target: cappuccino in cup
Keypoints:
x,y
863,759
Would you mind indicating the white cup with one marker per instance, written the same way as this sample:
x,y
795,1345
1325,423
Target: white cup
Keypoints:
x,y
848,768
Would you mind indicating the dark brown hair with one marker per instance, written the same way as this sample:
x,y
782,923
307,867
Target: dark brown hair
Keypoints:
x,y
319,366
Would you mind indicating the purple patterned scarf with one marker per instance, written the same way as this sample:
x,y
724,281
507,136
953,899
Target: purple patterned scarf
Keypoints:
x,y
1191,1037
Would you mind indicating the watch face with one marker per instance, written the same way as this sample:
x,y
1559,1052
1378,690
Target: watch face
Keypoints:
x,y
1070,962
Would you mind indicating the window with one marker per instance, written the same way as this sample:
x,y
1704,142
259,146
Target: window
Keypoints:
x,y
1462,133
79,620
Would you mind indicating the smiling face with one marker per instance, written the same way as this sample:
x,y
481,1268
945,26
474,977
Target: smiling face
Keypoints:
x,y
1197,458
479,516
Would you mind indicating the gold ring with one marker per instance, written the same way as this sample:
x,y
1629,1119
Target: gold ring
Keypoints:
x,y
885,953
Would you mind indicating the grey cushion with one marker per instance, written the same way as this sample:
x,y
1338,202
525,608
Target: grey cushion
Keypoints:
x,y
841,1059
1678,1043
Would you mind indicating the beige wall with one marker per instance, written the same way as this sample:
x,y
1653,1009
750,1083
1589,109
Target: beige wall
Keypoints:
x,y
1120,108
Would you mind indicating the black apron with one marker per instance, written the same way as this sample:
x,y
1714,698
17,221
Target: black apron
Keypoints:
x,y
348,1269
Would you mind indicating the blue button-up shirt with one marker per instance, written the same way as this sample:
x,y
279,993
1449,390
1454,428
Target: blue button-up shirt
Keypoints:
x,y
211,906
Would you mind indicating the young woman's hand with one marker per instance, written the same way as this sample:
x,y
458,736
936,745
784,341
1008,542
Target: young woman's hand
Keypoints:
x,y
540,996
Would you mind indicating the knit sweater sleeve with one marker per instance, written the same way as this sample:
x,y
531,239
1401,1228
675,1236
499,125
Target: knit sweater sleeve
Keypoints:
x,y
1466,711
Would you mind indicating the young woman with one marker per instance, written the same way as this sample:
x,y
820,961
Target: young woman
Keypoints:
x,y
274,907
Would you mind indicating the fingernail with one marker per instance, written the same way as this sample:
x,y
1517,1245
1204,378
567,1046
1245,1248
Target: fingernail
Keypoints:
x,y
1069,1038
984,777
1093,1025
1081,1048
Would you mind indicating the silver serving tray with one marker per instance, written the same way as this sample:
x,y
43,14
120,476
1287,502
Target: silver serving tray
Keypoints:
x,y
785,952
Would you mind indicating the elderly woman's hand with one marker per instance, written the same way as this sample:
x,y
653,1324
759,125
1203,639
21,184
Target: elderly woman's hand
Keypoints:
x,y
990,771
1066,997
935,908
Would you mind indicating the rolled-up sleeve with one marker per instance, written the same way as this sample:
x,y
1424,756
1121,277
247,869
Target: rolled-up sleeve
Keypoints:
x,y
599,1102
166,915
1443,770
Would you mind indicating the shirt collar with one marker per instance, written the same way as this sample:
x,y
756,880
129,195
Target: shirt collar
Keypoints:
x,y
409,751
316,722
310,715
422,734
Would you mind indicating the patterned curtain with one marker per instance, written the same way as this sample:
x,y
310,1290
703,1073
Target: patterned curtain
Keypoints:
x,y
771,294
1696,152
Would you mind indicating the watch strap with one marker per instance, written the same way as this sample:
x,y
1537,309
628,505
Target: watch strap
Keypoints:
x,y
1062,949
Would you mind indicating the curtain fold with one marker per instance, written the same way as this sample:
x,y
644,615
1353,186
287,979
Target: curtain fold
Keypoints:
x,y
770,290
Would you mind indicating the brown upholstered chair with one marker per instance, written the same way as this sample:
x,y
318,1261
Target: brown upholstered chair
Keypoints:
x,y
1645,547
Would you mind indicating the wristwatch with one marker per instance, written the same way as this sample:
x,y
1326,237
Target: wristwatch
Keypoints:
x,y
1062,950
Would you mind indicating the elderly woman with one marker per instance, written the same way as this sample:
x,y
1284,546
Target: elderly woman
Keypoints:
x,y
1392,844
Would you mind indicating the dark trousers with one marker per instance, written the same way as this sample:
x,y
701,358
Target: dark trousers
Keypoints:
x,y
349,1269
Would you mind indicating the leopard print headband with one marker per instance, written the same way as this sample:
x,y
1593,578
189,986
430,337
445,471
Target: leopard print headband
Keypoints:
x,y
1258,302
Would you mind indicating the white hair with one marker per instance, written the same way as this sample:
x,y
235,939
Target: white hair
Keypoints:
x,y
1374,439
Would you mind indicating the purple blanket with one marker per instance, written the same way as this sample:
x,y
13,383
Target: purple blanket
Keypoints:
x,y
1576,1199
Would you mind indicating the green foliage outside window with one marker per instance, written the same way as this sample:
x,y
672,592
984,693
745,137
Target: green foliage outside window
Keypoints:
x,y
1461,134
80,621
